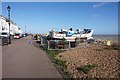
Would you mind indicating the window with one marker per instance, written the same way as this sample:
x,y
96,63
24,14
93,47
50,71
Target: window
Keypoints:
x,y
4,33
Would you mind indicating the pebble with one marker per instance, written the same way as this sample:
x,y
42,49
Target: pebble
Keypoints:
x,y
106,61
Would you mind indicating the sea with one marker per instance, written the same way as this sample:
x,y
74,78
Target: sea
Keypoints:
x,y
115,38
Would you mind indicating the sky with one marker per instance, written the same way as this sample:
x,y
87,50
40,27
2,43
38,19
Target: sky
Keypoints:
x,y
40,17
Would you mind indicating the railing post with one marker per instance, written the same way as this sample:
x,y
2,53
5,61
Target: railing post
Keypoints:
x,y
48,44
69,45
41,40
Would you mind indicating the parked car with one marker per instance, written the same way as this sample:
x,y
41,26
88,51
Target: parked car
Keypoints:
x,y
4,36
17,36
23,35
26,34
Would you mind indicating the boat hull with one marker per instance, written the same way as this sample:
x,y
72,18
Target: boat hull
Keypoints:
x,y
60,36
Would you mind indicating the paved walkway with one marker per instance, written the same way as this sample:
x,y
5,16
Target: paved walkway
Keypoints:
x,y
23,60
0,58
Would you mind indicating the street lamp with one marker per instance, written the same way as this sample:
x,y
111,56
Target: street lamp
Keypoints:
x,y
8,8
25,29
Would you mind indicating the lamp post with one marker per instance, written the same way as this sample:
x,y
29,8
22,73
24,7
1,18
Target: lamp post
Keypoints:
x,y
25,29
8,8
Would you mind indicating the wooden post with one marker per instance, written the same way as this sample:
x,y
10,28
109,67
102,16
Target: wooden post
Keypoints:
x,y
48,45
41,40
69,45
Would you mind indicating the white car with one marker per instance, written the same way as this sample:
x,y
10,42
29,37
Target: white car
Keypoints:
x,y
17,36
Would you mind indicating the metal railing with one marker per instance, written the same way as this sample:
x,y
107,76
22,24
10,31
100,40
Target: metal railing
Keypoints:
x,y
60,45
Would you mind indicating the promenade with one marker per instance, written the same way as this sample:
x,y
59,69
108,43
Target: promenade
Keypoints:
x,y
23,60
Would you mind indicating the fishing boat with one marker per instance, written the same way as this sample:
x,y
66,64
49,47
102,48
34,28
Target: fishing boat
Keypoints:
x,y
71,35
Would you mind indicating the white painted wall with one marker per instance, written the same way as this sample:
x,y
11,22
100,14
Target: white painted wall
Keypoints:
x,y
4,26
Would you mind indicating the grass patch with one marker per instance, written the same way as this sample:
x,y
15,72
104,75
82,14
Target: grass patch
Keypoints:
x,y
85,69
60,63
53,53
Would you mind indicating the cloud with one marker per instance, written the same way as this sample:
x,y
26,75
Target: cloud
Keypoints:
x,y
100,4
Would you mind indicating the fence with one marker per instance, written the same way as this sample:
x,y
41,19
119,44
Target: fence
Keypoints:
x,y
60,45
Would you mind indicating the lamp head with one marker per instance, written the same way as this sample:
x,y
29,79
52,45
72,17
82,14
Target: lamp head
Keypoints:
x,y
8,8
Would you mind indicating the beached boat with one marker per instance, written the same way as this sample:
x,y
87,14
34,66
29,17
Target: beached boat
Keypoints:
x,y
70,35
